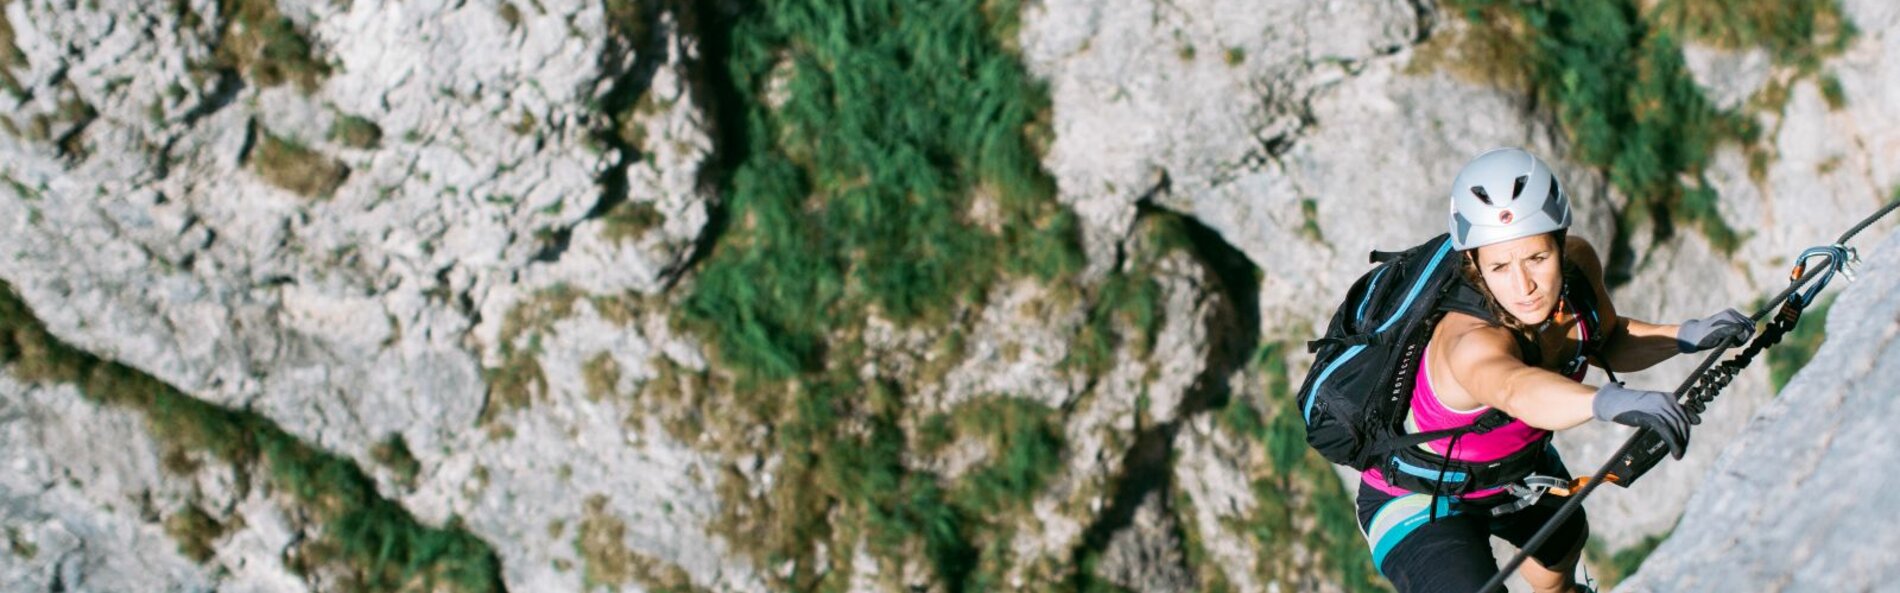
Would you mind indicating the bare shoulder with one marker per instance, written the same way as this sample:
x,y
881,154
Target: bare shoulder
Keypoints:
x,y
1461,345
1467,340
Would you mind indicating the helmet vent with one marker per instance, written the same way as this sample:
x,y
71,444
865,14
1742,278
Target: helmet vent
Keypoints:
x,y
1517,189
1482,196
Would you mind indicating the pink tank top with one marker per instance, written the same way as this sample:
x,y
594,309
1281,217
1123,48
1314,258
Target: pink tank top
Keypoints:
x,y
1428,414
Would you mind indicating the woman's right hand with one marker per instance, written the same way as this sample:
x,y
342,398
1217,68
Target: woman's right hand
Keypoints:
x,y
1727,329
1653,410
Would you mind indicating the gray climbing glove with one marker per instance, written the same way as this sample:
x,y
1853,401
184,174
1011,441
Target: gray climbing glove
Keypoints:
x,y
1729,328
1653,410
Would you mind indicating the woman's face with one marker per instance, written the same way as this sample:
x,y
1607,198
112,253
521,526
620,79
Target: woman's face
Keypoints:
x,y
1524,275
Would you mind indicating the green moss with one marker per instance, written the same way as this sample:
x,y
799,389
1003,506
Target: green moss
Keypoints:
x,y
356,132
519,381
1208,573
1309,216
394,454
1125,300
601,542
514,385
607,561
70,117
526,124
20,190
1296,483
1798,34
849,199
630,19
288,164
19,545
1025,449
630,24
1613,568
1614,77
630,220
1829,166
195,532
373,542
1235,56
1832,93
601,375
10,55
511,15
1798,346
260,42
1127,305
1091,566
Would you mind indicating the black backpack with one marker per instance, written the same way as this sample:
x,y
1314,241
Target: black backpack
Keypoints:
x,y
1355,398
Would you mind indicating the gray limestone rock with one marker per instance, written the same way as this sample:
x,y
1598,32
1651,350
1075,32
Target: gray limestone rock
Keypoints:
x,y
489,222
1793,503
1213,475
179,238
1146,556
1304,147
1831,168
88,502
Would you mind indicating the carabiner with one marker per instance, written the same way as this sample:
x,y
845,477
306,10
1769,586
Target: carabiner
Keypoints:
x,y
1528,491
1838,258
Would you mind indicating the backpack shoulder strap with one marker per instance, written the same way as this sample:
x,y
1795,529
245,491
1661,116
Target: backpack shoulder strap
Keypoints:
x,y
1462,297
1583,299
1491,420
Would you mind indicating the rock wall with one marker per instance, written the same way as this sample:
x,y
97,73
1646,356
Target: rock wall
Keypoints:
x,y
468,228
1831,166
87,506
335,237
1790,504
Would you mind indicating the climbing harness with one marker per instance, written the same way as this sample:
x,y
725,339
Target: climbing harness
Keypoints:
x,y
1528,491
1645,449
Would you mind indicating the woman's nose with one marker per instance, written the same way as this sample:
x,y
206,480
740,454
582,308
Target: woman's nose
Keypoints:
x,y
1522,278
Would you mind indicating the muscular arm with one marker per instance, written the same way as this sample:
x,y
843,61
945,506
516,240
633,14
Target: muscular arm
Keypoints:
x,y
1485,363
1631,344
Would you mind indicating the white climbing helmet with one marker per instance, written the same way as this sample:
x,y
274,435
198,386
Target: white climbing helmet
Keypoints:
x,y
1505,194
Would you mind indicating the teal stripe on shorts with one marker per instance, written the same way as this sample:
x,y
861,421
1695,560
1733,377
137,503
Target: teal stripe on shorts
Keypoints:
x,y
1397,518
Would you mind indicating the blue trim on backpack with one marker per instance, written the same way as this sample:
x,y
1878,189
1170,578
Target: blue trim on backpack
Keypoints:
x,y
1366,299
1428,473
1417,287
1350,352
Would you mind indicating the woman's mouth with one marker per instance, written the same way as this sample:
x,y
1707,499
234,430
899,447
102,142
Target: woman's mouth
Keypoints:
x,y
1530,304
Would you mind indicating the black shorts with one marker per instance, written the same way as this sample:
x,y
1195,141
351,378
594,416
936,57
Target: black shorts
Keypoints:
x,y
1453,552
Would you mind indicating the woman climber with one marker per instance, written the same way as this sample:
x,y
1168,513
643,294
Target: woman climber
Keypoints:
x,y
1541,315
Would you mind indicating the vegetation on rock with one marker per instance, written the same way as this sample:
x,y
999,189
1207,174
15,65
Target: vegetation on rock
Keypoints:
x,y
1612,75
369,540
